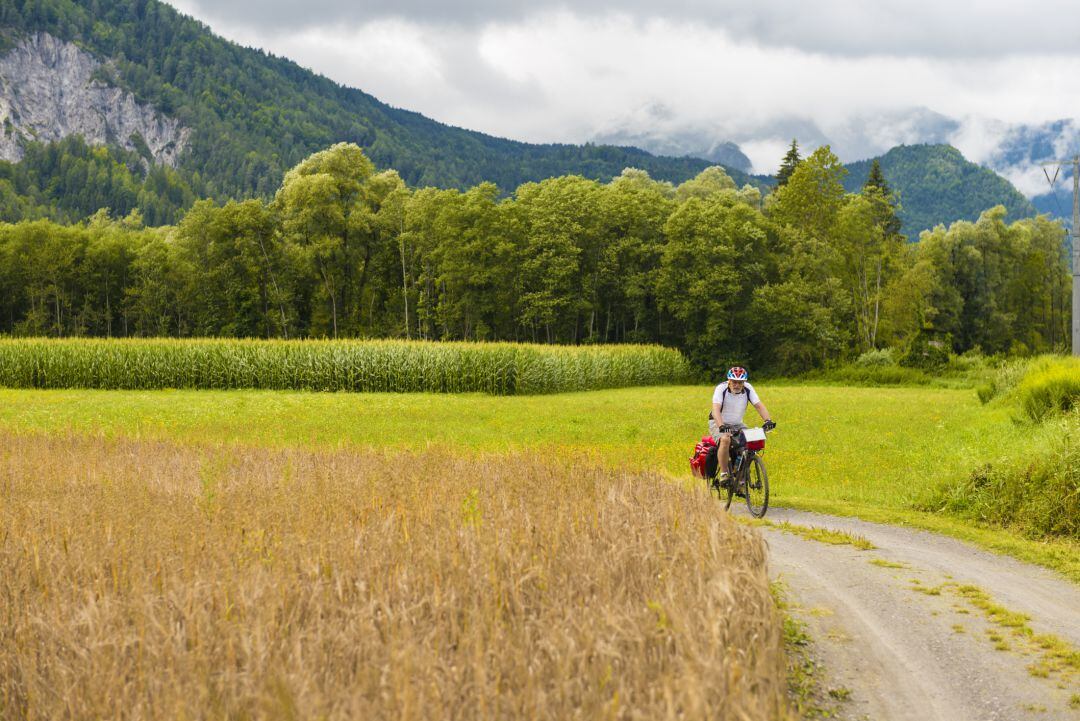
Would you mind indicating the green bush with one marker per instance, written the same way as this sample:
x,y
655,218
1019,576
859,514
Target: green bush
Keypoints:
x,y
884,367
876,358
969,363
876,375
927,352
1034,490
390,366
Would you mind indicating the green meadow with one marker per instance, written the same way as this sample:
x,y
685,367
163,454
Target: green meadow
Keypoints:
x,y
871,452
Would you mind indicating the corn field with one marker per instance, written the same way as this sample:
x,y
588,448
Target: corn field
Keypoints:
x,y
372,366
149,580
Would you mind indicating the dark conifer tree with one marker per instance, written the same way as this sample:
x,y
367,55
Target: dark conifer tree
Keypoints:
x,y
876,179
788,165
877,185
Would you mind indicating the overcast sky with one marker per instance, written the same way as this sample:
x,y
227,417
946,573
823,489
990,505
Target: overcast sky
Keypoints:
x,y
863,75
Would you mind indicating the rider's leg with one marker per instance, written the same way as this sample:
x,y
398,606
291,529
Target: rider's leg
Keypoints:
x,y
723,451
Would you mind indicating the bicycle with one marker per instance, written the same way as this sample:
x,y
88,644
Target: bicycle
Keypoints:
x,y
750,480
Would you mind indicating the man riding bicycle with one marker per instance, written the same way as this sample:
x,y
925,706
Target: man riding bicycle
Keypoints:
x,y
729,404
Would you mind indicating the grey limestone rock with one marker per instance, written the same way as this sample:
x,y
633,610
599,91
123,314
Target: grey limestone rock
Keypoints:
x,y
48,92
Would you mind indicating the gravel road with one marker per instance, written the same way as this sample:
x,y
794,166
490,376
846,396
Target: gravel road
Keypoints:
x,y
907,643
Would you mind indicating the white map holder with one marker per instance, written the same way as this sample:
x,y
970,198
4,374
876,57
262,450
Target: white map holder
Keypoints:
x,y
754,434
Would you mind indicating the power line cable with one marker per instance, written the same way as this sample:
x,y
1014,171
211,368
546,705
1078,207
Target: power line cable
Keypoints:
x,y
1053,191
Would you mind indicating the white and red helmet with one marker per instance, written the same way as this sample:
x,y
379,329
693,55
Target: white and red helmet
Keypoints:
x,y
737,373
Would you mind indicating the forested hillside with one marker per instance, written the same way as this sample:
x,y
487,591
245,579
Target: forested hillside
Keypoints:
x,y
254,115
809,275
69,180
937,185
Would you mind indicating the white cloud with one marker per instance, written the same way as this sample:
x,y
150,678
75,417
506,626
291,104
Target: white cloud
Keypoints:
x,y
956,28
978,137
766,153
864,76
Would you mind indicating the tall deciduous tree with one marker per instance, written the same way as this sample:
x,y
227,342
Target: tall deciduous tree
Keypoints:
x,y
717,253
324,209
813,195
995,286
867,259
637,207
564,248
235,262
708,182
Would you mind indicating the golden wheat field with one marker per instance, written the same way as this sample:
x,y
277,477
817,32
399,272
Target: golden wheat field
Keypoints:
x,y
150,580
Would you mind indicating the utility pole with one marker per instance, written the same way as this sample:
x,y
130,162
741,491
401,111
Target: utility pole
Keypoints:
x,y
1076,257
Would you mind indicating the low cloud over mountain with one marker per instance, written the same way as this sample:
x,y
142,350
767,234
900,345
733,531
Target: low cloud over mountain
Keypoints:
x,y
1017,151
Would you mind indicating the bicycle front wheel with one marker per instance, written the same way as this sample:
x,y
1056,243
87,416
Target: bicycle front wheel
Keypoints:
x,y
730,490
756,484
730,495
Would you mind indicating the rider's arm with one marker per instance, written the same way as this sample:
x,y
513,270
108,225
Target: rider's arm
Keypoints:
x,y
717,414
762,411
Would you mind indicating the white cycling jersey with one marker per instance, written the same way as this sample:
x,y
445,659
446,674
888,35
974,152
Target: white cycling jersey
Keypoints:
x,y
733,405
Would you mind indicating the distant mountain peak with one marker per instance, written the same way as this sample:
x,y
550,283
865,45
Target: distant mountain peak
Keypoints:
x,y
656,128
937,185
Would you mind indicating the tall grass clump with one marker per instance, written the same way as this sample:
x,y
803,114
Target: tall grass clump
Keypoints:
x,y
385,366
1034,488
1050,386
154,581
1007,376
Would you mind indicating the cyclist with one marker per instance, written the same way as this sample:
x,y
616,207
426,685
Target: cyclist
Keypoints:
x,y
729,403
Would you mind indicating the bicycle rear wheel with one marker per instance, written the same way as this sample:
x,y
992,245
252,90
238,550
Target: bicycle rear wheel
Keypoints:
x,y
756,484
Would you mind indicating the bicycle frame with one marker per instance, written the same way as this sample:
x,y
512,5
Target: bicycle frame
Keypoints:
x,y
741,464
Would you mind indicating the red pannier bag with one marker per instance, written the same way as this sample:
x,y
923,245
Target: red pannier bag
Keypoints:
x,y
701,453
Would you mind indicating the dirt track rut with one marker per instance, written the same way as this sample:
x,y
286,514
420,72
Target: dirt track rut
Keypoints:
x,y
909,642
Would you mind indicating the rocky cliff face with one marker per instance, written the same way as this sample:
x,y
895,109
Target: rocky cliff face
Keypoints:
x,y
47,92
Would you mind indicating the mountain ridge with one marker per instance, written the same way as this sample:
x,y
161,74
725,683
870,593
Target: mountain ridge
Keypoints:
x,y
253,115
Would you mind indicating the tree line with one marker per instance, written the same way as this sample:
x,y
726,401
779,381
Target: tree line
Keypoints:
x,y
807,275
